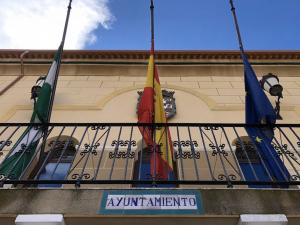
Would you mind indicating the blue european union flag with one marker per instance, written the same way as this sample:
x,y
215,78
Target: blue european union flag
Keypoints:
x,y
259,110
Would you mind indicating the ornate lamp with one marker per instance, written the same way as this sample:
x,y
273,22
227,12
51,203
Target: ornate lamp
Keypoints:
x,y
270,83
36,88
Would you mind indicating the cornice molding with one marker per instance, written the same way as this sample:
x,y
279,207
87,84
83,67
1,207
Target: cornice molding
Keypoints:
x,y
99,55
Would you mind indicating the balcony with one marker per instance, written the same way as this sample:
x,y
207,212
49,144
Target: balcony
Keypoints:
x,y
116,156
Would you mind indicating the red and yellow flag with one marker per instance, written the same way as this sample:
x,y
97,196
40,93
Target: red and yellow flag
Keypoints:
x,y
151,110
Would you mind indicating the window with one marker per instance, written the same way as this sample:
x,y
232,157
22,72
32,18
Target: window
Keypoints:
x,y
59,160
246,151
250,161
142,169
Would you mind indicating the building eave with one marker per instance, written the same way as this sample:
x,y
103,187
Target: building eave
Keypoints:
x,y
175,55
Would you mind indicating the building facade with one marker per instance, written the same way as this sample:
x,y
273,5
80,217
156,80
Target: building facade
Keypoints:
x,y
102,87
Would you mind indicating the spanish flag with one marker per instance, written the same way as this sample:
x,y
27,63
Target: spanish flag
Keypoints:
x,y
151,110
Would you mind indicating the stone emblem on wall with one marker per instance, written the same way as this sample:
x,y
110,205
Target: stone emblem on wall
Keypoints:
x,y
169,102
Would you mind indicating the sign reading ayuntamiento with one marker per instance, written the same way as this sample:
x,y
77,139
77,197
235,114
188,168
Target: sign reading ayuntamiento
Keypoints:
x,y
151,202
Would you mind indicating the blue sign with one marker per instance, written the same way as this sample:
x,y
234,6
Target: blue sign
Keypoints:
x,y
151,202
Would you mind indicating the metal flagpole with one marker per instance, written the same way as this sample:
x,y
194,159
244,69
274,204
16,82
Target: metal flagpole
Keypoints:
x,y
153,85
237,27
59,61
49,112
152,26
152,53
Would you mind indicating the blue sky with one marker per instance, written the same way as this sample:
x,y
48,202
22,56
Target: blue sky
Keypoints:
x,y
202,25
125,24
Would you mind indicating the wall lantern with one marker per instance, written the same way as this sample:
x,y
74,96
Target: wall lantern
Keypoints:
x,y
36,88
270,83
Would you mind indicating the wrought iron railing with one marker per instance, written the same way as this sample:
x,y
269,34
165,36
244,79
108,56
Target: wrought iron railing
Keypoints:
x,y
116,155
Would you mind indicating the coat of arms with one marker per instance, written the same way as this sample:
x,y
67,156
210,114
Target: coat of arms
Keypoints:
x,y
169,102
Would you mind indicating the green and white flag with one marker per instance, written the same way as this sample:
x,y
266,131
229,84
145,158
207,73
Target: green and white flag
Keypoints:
x,y
23,150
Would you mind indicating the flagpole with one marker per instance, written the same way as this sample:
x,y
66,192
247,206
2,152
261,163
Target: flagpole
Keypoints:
x,y
61,47
67,22
59,61
152,53
152,26
153,85
237,27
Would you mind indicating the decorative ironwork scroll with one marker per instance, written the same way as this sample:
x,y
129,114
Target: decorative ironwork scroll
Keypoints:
x,y
123,143
121,155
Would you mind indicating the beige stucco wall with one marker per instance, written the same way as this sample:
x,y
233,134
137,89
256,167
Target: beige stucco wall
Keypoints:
x,y
97,98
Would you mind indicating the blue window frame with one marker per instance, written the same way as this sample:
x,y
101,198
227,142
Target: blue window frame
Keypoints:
x,y
59,174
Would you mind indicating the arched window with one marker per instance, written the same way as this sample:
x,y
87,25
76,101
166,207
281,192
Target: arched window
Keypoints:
x,y
142,168
59,159
245,150
250,161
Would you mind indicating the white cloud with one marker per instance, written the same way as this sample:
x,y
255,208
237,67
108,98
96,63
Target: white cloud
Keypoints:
x,y
38,24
